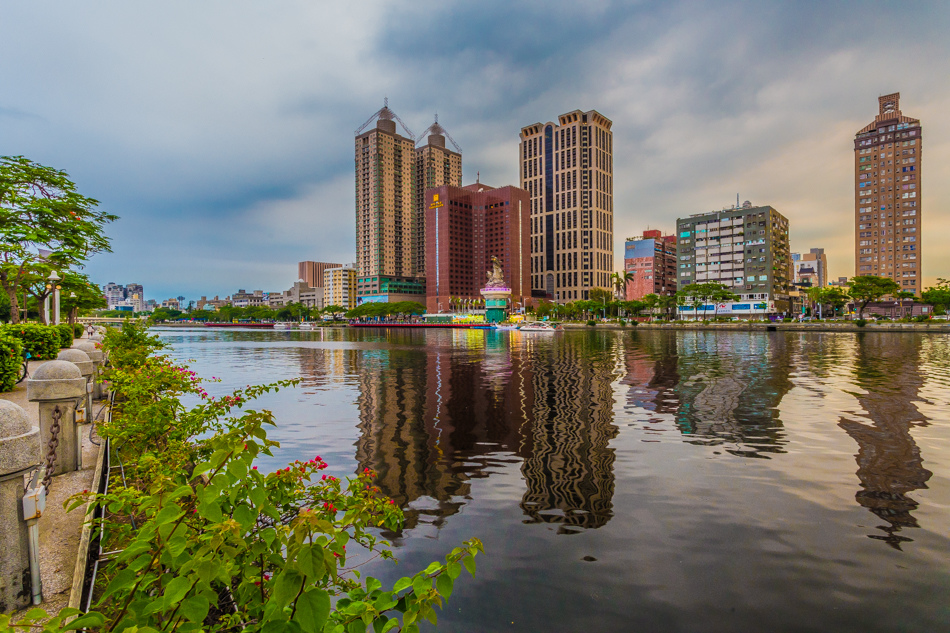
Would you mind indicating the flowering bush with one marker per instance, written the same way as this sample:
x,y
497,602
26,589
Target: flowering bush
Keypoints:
x,y
206,542
65,335
41,341
11,357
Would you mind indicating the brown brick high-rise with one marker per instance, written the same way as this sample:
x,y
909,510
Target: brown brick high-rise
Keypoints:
x,y
465,227
887,213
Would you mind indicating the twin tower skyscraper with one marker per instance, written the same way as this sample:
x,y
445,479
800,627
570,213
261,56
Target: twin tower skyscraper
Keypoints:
x,y
566,168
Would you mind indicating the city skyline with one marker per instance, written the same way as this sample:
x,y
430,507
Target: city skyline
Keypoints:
x,y
226,152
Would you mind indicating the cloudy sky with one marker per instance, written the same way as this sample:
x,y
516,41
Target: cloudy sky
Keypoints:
x,y
221,132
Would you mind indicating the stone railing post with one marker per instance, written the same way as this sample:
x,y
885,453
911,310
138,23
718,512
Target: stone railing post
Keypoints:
x,y
58,386
19,453
81,360
98,358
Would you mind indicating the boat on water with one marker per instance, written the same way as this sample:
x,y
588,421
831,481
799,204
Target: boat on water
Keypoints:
x,y
306,325
507,326
282,326
538,326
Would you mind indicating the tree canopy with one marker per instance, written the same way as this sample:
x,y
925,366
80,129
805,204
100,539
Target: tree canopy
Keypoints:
x,y
698,295
867,288
44,223
938,296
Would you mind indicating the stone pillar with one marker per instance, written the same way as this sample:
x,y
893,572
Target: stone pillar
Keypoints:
x,y
58,384
81,360
97,357
19,452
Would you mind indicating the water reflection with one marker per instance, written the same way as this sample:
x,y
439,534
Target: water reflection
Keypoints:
x,y
890,466
569,471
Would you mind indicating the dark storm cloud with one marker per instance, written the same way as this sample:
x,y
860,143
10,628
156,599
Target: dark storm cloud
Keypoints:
x,y
222,132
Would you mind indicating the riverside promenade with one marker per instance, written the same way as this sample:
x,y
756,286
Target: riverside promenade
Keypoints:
x,y
927,328
60,532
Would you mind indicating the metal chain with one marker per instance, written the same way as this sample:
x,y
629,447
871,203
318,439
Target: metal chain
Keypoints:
x,y
52,445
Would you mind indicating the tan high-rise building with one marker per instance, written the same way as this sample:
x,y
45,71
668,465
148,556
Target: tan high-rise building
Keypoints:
x,y
887,181
568,169
386,213
436,166
312,272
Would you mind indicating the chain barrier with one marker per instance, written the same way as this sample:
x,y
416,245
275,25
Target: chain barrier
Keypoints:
x,y
52,445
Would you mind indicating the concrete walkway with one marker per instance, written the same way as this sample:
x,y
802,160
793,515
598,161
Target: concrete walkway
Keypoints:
x,y
59,531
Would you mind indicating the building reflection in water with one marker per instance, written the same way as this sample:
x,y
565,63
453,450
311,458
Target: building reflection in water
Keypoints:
x,y
569,471
435,416
722,389
886,367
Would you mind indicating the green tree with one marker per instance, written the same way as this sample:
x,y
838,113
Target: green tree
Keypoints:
x,y
79,295
701,294
867,288
828,296
667,305
651,302
334,310
40,210
620,282
938,296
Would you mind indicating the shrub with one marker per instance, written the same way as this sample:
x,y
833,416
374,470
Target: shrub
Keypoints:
x,y
65,335
787,320
78,330
11,357
41,341
592,323
622,322
218,545
860,322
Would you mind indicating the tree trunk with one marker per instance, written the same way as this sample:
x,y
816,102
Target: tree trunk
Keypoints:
x,y
14,306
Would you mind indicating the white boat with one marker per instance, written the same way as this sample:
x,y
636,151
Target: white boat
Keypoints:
x,y
282,326
538,326
506,326
306,325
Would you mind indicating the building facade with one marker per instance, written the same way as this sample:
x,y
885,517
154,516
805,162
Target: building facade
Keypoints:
x,y
650,259
386,215
887,196
436,165
312,272
743,248
465,228
567,168
810,269
339,286
130,296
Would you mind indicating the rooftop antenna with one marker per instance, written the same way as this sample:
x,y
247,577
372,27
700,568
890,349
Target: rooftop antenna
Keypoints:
x,y
388,115
435,128
737,200
478,177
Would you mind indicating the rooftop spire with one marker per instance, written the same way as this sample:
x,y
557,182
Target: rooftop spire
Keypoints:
x,y
387,115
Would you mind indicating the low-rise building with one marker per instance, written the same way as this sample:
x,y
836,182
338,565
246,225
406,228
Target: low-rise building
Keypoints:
x,y
300,292
810,269
650,259
204,303
244,299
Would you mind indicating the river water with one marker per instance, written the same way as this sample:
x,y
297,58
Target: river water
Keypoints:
x,y
634,481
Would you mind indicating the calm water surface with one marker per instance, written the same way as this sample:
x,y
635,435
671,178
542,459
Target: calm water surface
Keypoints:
x,y
635,481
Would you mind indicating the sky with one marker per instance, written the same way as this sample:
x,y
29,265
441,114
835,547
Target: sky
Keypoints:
x,y
221,132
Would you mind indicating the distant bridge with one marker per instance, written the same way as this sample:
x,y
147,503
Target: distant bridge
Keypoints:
x,y
101,320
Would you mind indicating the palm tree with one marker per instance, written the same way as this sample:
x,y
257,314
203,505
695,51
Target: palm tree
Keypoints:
x,y
620,282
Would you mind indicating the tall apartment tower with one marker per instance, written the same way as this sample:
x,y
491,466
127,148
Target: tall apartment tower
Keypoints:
x,y
386,213
567,168
436,166
887,180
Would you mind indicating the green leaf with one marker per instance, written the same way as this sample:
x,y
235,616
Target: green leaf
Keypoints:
x,y
218,457
258,496
393,623
201,468
313,609
211,511
453,569
372,584
176,590
237,468
402,583
286,587
245,516
444,585
310,560
122,580
195,608
469,562
168,514
420,585
432,568
176,545
379,624
356,626
91,620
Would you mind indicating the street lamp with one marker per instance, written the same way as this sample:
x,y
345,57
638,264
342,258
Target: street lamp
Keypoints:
x,y
52,285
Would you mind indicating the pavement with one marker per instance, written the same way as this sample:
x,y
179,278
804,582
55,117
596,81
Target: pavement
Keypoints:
x,y
60,531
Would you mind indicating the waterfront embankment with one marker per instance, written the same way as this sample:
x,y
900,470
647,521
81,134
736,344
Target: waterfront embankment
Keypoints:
x,y
927,328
